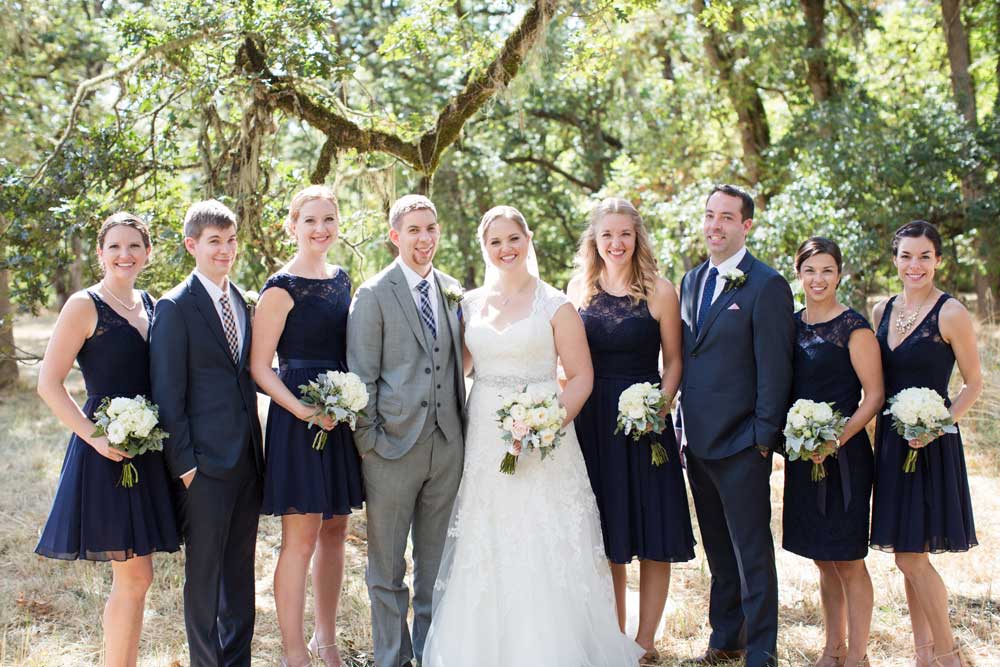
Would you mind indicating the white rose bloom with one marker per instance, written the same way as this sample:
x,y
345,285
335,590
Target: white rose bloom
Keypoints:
x,y
636,412
518,412
508,423
116,433
823,412
118,405
539,416
796,420
548,437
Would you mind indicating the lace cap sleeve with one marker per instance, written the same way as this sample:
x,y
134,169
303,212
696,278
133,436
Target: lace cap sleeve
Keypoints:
x,y
550,300
471,301
282,280
853,320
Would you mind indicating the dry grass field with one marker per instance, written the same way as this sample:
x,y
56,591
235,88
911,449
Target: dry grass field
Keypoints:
x,y
50,612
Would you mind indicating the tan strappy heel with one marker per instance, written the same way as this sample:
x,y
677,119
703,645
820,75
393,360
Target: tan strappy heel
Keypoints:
x,y
317,650
917,660
956,651
832,659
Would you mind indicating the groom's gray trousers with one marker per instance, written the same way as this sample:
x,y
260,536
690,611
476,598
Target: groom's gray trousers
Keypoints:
x,y
418,489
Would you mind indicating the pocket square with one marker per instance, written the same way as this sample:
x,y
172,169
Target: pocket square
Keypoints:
x,y
734,306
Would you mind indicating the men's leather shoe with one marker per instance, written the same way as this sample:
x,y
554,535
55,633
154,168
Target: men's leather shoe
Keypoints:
x,y
716,656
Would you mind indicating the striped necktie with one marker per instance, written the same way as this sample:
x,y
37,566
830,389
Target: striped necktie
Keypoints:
x,y
426,312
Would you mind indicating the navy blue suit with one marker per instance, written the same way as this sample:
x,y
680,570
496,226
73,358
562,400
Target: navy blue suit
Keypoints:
x,y
734,394
208,404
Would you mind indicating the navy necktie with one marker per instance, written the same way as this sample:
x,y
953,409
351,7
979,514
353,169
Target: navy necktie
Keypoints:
x,y
706,297
426,312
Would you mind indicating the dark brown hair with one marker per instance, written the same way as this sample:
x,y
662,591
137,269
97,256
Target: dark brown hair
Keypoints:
x,y
208,213
817,245
915,230
746,210
124,219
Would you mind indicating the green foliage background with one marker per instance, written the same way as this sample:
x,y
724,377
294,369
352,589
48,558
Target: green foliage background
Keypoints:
x,y
619,98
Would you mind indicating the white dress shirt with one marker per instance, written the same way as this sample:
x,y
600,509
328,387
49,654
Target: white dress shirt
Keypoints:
x,y
413,279
214,292
720,283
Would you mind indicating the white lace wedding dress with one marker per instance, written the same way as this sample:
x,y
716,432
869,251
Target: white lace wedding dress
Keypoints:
x,y
524,581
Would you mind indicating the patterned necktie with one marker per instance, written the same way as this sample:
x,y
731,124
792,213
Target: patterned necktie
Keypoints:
x,y
426,312
229,327
706,296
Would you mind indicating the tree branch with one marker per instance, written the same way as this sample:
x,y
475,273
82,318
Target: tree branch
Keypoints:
x,y
89,84
424,155
550,166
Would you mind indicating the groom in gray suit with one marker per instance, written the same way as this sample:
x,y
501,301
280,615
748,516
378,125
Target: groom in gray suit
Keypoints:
x,y
404,342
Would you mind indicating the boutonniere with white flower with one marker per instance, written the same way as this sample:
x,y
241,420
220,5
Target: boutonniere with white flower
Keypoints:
x,y
734,279
454,295
251,297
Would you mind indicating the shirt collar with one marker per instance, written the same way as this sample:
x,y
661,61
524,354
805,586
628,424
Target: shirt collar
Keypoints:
x,y
732,262
213,290
412,277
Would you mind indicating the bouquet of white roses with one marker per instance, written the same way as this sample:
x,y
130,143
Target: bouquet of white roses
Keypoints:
x,y
130,425
919,413
340,396
531,420
809,429
639,409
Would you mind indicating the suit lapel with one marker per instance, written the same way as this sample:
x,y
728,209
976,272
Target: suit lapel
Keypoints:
x,y
451,313
237,297
690,305
724,299
211,315
402,291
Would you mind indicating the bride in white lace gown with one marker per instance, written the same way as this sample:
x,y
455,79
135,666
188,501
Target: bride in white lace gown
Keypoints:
x,y
524,581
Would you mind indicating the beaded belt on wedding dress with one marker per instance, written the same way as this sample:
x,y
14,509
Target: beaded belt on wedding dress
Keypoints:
x,y
510,381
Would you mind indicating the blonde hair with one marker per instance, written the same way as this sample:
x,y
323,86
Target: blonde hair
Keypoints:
x,y
306,195
590,266
504,212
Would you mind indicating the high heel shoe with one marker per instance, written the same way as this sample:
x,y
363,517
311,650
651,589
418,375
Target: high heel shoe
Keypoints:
x,y
917,660
831,659
285,663
650,658
317,650
955,651
863,662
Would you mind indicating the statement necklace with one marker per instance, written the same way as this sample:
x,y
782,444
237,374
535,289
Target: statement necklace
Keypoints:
x,y
905,322
128,307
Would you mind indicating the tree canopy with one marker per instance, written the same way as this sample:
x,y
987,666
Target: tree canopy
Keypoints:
x,y
843,118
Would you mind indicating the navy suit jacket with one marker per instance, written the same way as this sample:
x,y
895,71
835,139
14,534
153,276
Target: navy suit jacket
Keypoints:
x,y
738,367
208,402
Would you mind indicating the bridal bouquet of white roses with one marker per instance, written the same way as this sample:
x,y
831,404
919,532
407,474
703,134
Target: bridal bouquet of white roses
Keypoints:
x,y
531,420
919,413
812,428
340,396
639,409
130,425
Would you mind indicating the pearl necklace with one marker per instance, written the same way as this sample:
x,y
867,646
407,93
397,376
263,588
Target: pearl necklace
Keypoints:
x,y
905,323
128,307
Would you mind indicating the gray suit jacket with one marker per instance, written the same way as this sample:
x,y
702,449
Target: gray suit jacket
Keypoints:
x,y
387,349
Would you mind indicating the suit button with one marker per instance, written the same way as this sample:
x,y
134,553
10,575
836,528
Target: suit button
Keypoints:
x,y
439,386
423,404
439,405
436,349
694,354
437,368
427,371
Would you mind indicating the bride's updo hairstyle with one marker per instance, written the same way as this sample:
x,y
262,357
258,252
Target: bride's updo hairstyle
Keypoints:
x,y
303,197
642,282
505,213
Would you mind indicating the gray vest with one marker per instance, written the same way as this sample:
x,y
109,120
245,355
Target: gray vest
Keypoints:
x,y
443,412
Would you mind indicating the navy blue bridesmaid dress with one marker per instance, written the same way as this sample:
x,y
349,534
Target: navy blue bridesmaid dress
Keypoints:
x,y
644,509
297,478
828,520
92,517
929,510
